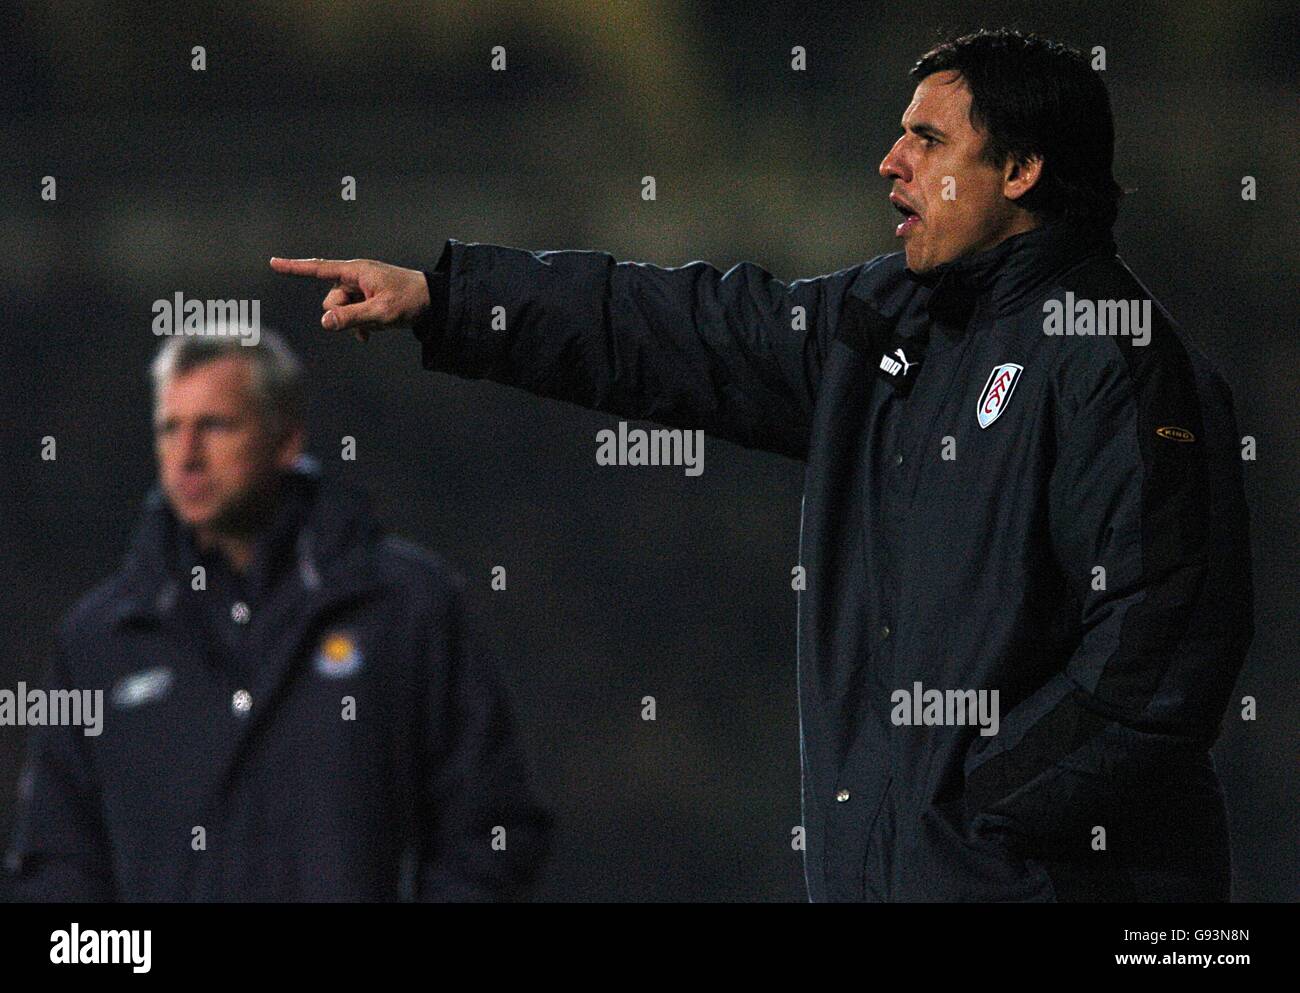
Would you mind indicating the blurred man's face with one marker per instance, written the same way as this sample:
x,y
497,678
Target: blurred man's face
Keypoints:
x,y
954,202
217,458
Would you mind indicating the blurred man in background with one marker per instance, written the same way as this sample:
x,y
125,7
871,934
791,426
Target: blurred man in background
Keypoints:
x,y
293,709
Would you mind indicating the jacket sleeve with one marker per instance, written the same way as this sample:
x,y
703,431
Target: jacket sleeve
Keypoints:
x,y
1150,532
737,354
484,836
59,851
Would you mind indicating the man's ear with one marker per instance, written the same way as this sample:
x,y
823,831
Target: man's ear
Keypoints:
x,y
1019,176
291,446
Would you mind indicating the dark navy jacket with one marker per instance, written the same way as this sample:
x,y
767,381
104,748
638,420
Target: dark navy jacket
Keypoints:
x,y
295,802
987,507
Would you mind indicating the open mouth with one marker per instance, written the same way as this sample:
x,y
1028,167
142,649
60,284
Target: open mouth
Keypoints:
x,y
910,217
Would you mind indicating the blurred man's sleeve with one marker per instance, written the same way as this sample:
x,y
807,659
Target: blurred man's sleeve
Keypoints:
x,y
1165,627
59,851
736,354
485,836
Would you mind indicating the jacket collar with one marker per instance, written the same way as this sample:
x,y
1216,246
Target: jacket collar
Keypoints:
x,y
335,520
1005,276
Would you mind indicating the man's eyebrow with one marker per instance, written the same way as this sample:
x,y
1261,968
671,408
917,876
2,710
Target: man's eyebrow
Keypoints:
x,y
926,130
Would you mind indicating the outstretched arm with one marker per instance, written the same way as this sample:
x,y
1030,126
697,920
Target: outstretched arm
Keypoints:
x,y
738,354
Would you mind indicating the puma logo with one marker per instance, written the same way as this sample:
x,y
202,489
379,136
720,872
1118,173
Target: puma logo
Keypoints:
x,y
893,366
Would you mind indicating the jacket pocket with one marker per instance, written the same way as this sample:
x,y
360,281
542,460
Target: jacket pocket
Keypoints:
x,y
940,861
878,858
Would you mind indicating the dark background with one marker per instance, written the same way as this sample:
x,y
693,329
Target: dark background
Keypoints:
x,y
622,582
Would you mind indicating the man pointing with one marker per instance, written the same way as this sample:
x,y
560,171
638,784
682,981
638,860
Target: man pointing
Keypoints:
x,y
1028,587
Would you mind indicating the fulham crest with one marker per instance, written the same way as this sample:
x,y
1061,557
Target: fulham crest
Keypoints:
x,y
997,392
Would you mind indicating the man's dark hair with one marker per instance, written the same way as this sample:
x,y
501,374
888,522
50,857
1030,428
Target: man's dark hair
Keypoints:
x,y
1033,96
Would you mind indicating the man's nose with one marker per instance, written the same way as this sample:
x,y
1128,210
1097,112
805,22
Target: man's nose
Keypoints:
x,y
191,447
894,166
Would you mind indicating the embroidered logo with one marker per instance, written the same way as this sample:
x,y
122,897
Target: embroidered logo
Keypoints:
x,y
1176,434
997,392
141,687
338,656
892,365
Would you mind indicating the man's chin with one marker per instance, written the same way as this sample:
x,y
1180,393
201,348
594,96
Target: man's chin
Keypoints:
x,y
917,264
196,517
921,262
235,517
198,513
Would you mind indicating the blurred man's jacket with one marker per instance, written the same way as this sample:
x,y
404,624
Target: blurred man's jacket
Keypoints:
x,y
314,730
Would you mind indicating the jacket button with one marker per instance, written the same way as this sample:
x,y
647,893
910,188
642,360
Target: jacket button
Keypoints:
x,y
239,612
884,630
898,459
842,796
242,702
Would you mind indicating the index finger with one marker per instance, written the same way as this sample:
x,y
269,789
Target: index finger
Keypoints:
x,y
320,268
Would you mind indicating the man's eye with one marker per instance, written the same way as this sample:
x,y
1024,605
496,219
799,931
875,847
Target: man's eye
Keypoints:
x,y
929,141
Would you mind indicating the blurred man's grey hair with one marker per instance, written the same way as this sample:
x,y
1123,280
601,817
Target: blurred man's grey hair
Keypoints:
x,y
276,380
